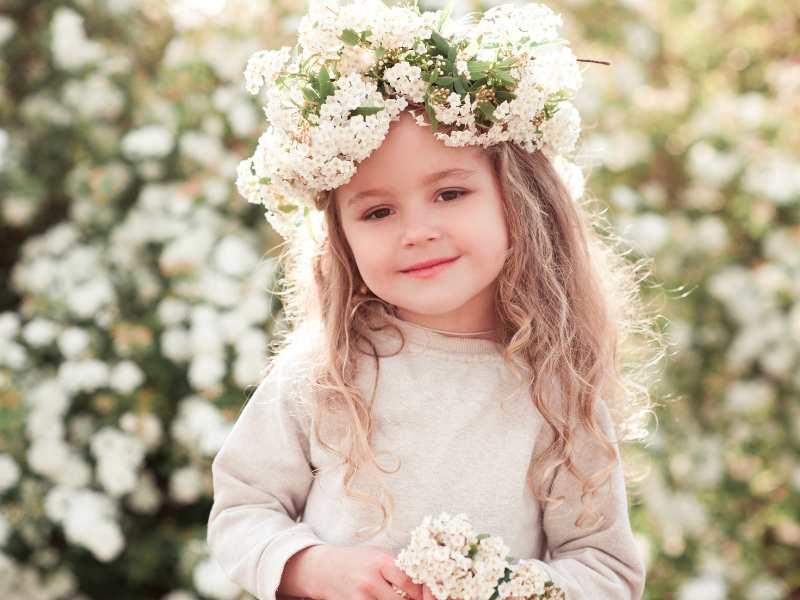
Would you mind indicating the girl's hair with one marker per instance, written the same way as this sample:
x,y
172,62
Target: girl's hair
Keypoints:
x,y
567,302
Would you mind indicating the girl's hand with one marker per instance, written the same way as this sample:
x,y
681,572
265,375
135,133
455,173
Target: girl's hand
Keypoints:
x,y
361,573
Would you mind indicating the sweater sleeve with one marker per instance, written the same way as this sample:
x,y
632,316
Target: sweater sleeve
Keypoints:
x,y
603,563
261,478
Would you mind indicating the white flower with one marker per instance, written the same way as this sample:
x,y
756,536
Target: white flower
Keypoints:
x,y
509,24
709,587
73,342
406,80
776,177
39,332
186,484
149,141
200,425
647,232
146,497
203,148
562,130
711,166
83,375
71,48
263,67
206,370
175,344
125,377
527,578
5,533
234,256
147,427
7,29
179,595
48,456
747,397
555,68
9,324
9,472
446,554
211,581
94,97
119,456
172,311
90,521
571,176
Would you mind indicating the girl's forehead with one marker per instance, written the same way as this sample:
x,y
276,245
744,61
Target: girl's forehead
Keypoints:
x,y
419,164
412,174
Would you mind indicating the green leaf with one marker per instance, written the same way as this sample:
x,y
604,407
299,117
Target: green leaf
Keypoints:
x,y
460,85
366,110
505,77
478,68
380,51
431,116
487,110
507,62
349,37
447,80
432,76
310,94
441,44
287,208
504,95
365,34
325,85
476,84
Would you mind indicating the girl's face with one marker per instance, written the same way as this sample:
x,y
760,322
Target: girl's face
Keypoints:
x,y
414,199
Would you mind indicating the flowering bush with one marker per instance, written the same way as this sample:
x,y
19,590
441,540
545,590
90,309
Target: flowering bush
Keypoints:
x,y
144,312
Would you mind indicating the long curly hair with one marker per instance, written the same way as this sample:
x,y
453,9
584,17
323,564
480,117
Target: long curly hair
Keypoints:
x,y
567,299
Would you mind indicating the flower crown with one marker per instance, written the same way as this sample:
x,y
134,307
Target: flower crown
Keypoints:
x,y
331,98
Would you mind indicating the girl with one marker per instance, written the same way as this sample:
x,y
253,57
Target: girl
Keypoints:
x,y
453,347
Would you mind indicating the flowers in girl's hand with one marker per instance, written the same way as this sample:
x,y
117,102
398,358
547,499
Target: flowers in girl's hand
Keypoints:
x,y
448,556
330,100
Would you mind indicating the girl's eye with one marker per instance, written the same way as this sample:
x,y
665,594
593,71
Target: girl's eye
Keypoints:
x,y
369,216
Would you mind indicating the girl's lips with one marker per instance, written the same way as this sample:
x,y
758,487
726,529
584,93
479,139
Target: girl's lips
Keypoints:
x,y
430,271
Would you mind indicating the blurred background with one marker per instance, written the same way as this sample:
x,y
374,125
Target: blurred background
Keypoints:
x,y
135,304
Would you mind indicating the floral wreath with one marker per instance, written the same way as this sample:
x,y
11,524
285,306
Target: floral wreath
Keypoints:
x,y
330,99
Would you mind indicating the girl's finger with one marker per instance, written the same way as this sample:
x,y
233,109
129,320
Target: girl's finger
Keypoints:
x,y
398,579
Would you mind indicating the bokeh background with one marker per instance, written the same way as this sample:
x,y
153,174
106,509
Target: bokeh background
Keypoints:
x,y
136,304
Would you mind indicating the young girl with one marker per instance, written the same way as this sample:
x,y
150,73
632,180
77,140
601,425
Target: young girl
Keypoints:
x,y
454,338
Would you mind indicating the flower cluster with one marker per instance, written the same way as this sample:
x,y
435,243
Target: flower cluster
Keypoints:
x,y
330,99
446,555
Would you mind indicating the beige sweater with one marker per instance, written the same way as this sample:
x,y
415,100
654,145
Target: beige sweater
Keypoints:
x,y
450,410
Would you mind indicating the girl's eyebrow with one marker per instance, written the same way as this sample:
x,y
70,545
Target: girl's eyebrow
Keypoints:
x,y
427,180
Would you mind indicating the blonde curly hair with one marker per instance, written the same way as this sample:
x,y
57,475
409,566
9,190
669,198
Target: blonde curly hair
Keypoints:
x,y
568,303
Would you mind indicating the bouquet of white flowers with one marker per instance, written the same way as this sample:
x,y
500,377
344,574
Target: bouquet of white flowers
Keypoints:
x,y
446,555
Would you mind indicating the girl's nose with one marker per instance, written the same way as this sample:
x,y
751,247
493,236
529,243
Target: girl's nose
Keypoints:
x,y
419,233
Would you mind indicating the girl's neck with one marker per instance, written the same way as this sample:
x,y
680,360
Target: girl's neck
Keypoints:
x,y
455,333
485,334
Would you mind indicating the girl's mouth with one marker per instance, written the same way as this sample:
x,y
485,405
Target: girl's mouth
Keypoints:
x,y
430,271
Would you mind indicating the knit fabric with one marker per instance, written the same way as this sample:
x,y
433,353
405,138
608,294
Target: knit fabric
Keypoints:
x,y
462,429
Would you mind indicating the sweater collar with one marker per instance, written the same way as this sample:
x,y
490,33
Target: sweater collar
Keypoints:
x,y
420,336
